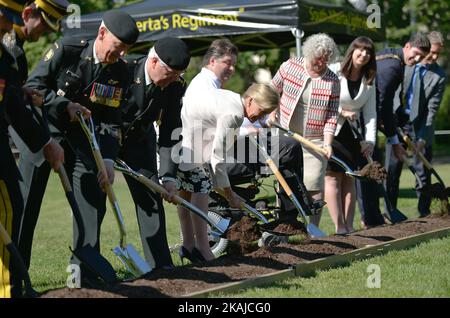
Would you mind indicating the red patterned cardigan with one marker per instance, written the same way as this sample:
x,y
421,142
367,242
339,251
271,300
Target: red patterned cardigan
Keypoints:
x,y
323,102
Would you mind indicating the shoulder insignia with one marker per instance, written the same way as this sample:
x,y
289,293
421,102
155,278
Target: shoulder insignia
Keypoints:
x,y
49,55
138,80
113,82
388,56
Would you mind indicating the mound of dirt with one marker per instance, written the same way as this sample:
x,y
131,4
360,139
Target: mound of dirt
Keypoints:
x,y
374,171
284,227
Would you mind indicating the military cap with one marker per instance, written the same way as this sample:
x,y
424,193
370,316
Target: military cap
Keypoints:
x,y
52,11
174,52
12,11
122,25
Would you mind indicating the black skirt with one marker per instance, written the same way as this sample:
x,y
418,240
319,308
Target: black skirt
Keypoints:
x,y
345,147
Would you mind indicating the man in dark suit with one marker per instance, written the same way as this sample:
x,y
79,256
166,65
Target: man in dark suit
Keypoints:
x,y
390,68
13,112
423,88
156,94
90,77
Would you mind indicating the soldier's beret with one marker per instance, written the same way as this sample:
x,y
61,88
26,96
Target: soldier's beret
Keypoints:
x,y
12,11
174,52
122,25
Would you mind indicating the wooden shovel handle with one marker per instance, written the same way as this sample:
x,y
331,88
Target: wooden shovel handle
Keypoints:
x,y
418,153
279,176
64,179
160,189
101,166
304,141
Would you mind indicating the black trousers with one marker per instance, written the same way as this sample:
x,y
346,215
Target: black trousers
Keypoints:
x,y
33,184
394,168
140,155
368,195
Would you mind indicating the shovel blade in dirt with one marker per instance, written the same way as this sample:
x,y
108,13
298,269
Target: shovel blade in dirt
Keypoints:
x,y
95,263
220,223
395,216
132,260
314,231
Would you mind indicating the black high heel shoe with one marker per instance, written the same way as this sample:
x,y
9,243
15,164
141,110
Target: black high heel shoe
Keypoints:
x,y
194,257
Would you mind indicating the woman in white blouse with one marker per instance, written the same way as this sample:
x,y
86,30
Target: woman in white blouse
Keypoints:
x,y
211,119
358,96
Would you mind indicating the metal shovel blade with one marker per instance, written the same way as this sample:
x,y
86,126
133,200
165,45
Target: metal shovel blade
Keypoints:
x,y
220,223
314,231
132,260
395,216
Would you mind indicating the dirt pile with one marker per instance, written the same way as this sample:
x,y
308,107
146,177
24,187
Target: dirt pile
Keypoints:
x,y
374,171
284,227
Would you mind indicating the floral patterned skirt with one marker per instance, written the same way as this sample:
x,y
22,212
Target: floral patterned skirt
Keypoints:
x,y
195,180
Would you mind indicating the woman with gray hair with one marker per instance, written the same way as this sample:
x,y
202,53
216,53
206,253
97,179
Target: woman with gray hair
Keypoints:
x,y
309,105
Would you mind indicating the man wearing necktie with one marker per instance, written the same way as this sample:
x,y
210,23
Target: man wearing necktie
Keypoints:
x,y
90,77
155,97
424,85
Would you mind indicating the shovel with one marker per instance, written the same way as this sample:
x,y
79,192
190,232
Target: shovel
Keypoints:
x,y
18,261
312,146
246,207
88,256
212,218
442,189
126,252
311,228
394,215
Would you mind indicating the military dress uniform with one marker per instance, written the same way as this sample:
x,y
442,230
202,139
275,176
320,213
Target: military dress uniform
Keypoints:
x,y
34,170
390,69
147,105
13,112
67,73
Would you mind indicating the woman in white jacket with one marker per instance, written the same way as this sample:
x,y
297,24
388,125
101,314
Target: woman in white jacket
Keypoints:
x,y
358,96
211,120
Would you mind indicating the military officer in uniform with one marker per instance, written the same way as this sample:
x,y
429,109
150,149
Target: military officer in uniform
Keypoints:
x,y
156,94
88,76
40,17
390,68
13,112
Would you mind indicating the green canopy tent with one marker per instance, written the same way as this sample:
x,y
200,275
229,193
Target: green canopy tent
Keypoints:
x,y
250,24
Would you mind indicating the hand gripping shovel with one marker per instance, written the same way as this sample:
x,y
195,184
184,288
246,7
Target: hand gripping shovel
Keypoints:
x,y
88,256
126,252
311,228
212,218
441,191
394,215
312,146
18,262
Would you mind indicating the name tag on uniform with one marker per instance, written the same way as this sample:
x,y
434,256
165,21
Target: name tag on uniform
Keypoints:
x,y
106,95
2,88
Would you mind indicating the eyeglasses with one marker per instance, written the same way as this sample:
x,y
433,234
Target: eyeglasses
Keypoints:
x,y
170,72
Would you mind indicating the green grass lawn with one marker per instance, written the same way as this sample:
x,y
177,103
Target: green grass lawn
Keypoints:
x,y
53,234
